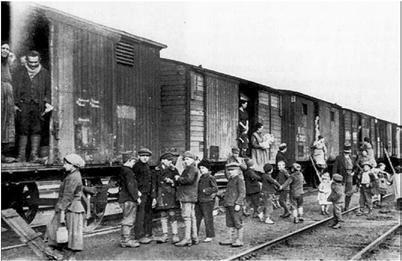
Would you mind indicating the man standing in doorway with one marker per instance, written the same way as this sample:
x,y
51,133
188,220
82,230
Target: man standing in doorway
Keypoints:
x,y
32,84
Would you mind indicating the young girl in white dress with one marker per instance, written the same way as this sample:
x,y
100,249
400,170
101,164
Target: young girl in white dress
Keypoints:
x,y
324,189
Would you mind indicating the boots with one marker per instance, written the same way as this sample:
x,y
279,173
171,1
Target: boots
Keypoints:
x,y
164,237
230,239
239,238
175,237
187,234
194,232
35,144
22,146
300,214
125,238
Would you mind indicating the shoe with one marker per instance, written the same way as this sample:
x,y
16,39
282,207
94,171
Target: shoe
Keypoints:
x,y
183,243
145,240
195,241
269,221
207,240
301,219
261,217
237,243
336,226
296,220
130,243
359,213
175,239
162,239
285,215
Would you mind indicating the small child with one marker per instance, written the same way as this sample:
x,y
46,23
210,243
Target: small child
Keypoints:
x,y
296,181
207,189
383,182
166,202
269,186
253,188
234,200
366,182
324,189
282,176
337,198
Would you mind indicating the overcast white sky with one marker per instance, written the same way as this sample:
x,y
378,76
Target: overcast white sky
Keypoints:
x,y
343,52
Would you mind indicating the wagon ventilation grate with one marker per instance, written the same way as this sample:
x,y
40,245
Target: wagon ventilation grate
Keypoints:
x,y
125,53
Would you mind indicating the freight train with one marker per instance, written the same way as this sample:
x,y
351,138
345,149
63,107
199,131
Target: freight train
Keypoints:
x,y
113,93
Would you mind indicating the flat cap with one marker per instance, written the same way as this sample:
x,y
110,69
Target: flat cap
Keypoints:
x,y
235,150
205,163
189,154
144,152
296,166
75,160
347,147
250,163
268,167
232,165
168,156
283,146
337,177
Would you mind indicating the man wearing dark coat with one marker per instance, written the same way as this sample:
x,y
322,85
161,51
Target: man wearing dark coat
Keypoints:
x,y
32,97
345,166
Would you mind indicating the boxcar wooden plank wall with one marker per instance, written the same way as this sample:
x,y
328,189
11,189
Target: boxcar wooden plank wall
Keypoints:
x,y
173,99
197,115
269,114
222,98
373,136
304,119
389,138
355,133
329,128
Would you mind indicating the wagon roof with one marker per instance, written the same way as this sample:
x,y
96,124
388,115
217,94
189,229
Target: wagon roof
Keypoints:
x,y
65,17
308,97
231,77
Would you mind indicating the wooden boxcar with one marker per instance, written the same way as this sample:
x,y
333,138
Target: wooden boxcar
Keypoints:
x,y
350,131
200,110
306,117
105,83
105,91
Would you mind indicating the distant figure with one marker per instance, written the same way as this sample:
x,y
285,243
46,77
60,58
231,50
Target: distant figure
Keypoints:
x,y
243,118
32,88
366,182
345,165
269,187
320,153
364,157
282,176
259,148
369,148
384,181
295,183
7,103
253,188
281,155
396,182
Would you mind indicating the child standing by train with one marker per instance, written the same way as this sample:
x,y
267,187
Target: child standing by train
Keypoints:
x,y
383,182
207,189
234,199
166,202
366,182
269,186
296,181
337,198
324,189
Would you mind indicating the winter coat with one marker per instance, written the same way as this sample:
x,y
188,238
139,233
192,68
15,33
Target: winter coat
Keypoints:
x,y
373,183
187,190
70,193
235,191
340,168
337,195
282,176
207,188
165,188
145,178
269,184
251,178
280,156
128,185
295,182
239,160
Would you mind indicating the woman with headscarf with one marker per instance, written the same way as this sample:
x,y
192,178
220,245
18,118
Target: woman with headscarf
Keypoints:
x,y
259,148
7,102
69,210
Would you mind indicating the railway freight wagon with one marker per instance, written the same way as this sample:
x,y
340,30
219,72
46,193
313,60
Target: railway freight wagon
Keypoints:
x,y
105,91
200,110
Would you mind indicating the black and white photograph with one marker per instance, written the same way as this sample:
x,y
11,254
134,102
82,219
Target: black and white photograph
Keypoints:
x,y
200,130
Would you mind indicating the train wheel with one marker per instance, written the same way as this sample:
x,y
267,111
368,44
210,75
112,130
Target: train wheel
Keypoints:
x,y
26,201
94,201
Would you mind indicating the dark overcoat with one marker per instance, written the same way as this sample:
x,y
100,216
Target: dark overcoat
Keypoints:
x,y
166,188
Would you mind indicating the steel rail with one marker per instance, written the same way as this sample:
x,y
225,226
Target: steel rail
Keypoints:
x,y
287,236
376,242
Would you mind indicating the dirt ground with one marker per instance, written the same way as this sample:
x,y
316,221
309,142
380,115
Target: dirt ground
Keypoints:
x,y
106,247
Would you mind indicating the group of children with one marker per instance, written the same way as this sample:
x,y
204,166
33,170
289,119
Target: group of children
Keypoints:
x,y
194,191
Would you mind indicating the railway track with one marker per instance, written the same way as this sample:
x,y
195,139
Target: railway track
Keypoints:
x,y
308,239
